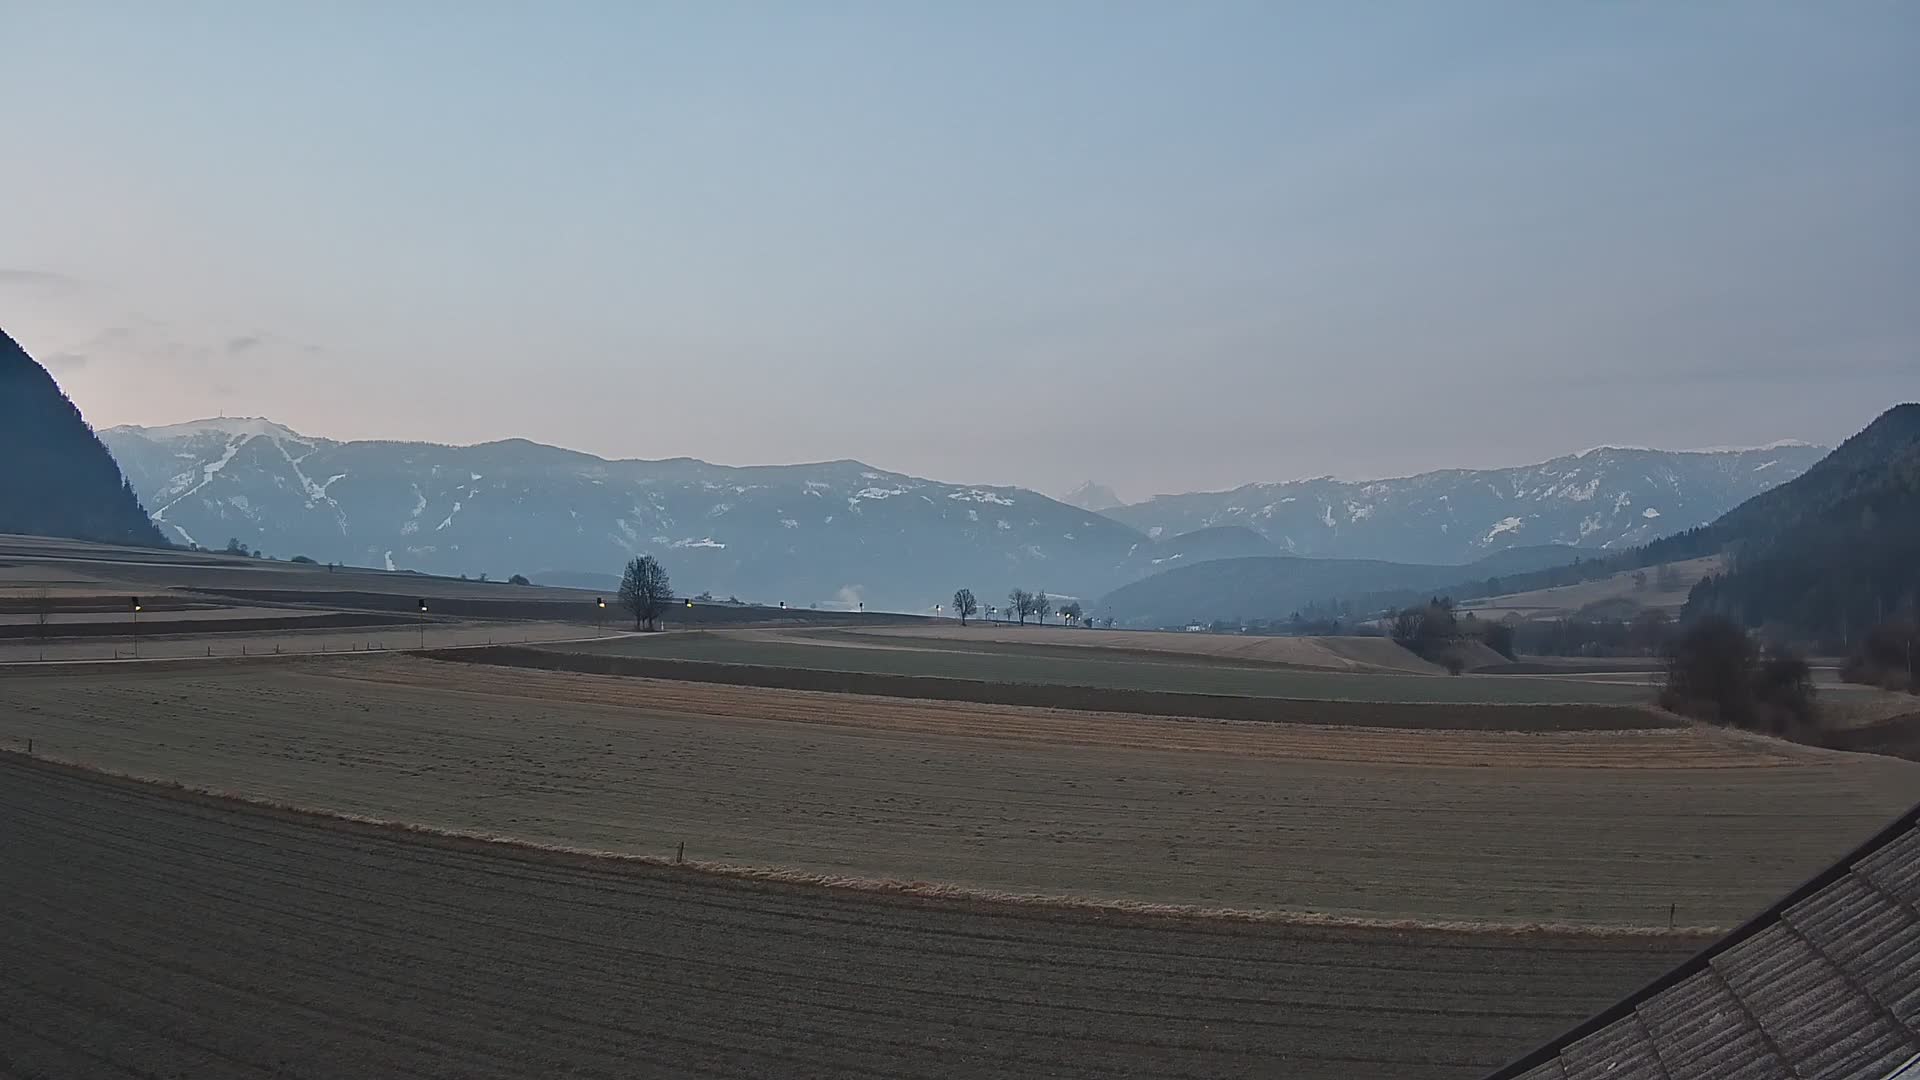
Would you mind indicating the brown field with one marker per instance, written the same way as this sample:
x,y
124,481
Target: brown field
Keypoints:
x,y
1331,653
597,657
216,640
155,933
1473,827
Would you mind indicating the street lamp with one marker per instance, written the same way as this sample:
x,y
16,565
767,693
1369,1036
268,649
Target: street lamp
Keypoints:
x,y
599,615
423,622
134,603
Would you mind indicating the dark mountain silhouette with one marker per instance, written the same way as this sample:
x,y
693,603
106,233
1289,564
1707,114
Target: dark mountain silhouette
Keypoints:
x,y
1830,554
56,479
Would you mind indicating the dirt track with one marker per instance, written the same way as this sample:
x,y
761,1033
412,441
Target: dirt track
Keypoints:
x,y
148,933
1594,828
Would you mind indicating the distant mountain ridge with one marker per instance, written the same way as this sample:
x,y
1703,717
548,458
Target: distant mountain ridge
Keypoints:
x,y
58,479
1606,498
830,533
1091,496
1818,560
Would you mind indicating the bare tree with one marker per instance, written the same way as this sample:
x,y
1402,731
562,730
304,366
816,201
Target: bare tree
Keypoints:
x,y
1072,611
1020,603
645,591
42,616
1042,606
964,605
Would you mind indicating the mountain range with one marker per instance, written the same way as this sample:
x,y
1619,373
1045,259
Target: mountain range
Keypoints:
x,y
58,480
1607,498
842,532
1820,559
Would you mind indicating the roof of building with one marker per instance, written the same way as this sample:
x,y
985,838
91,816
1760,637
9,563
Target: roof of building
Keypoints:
x,y
1824,984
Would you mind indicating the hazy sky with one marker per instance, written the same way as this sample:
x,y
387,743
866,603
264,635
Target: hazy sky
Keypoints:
x,y
1167,246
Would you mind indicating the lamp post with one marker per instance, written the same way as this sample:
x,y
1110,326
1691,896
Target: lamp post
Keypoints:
x,y
133,602
423,622
599,615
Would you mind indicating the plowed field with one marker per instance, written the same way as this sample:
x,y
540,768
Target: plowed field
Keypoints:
x,y
1039,663
148,933
1603,827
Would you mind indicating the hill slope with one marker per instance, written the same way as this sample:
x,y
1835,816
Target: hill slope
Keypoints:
x,y
1274,586
1603,499
58,479
1821,557
1832,553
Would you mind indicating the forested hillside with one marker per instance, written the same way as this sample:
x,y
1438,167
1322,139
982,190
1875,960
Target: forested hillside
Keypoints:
x,y
1834,553
1820,559
55,477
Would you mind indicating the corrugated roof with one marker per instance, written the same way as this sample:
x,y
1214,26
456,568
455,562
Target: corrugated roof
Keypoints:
x,y
1825,984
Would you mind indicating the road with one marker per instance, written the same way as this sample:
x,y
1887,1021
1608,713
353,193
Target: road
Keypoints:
x,y
148,932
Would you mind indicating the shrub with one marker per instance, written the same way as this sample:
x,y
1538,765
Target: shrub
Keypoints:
x,y
1716,674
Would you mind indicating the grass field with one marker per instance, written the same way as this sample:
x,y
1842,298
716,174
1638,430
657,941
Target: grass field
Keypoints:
x,y
1567,600
151,933
1599,828
1075,666
1331,653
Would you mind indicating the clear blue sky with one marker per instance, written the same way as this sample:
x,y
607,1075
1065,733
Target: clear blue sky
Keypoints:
x,y
1167,246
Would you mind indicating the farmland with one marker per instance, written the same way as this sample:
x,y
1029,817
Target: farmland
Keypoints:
x,y
1472,827
1036,663
909,849
150,932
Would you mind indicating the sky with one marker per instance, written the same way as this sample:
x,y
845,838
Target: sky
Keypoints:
x,y
1167,246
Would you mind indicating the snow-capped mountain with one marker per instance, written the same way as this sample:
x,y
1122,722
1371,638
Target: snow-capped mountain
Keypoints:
x,y
1098,498
1603,498
830,533
840,532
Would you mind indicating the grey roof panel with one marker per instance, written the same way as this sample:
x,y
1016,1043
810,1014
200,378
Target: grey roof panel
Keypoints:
x,y
1621,1051
1817,1018
1896,868
1704,1031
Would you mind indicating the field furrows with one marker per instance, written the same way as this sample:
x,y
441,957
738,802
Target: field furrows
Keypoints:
x,y
1041,664
1029,802
151,933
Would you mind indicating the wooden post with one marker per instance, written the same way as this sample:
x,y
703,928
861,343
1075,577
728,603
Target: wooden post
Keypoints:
x,y
681,855
29,747
1671,908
